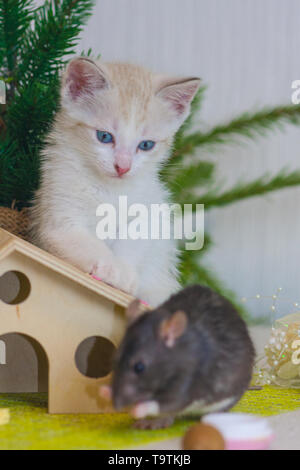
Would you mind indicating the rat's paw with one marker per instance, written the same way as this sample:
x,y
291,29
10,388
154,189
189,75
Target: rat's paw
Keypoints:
x,y
154,423
105,392
118,274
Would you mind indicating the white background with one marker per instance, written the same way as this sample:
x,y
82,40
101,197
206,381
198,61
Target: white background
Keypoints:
x,y
247,52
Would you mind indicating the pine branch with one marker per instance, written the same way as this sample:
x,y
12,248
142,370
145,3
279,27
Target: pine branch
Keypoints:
x,y
193,271
247,125
54,36
39,102
8,159
243,190
186,255
19,175
186,178
15,17
28,114
19,152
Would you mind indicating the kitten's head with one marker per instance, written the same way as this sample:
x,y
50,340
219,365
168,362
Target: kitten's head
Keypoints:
x,y
121,117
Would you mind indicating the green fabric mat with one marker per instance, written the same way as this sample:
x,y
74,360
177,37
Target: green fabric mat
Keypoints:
x,y
31,427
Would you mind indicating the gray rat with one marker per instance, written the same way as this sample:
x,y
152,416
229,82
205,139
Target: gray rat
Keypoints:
x,y
191,354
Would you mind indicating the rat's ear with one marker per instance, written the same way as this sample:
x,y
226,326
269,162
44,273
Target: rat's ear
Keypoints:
x,y
83,77
172,328
179,93
134,310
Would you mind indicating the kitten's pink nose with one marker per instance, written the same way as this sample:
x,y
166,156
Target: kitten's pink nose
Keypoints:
x,y
121,171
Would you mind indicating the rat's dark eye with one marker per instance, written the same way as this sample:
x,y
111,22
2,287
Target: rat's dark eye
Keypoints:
x,y
139,367
105,137
146,145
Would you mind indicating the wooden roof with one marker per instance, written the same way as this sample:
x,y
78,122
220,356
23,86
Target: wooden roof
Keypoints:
x,y
10,243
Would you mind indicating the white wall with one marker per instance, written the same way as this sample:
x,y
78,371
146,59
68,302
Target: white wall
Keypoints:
x,y
247,52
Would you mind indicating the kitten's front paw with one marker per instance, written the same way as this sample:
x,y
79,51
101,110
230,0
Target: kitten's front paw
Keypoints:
x,y
117,274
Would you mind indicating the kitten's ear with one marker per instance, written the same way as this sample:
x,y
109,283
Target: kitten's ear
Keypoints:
x,y
83,77
172,328
134,310
179,93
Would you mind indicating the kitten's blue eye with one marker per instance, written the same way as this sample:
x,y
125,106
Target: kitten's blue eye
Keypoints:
x,y
146,145
139,367
105,137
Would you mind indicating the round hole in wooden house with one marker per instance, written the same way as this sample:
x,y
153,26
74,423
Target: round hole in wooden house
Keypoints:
x,y
94,357
14,287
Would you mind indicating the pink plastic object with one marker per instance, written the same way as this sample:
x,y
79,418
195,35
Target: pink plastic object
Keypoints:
x,y
242,431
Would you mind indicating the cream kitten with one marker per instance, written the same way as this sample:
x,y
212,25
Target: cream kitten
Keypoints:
x,y
112,132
